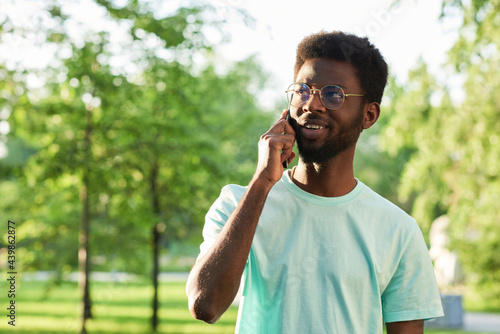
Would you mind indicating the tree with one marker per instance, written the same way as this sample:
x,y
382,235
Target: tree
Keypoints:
x,y
475,181
412,133
374,163
128,150
454,166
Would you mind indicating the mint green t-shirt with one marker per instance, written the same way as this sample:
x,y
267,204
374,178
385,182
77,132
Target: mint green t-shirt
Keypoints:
x,y
329,264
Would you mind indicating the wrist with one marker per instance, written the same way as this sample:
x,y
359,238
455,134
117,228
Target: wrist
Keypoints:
x,y
262,183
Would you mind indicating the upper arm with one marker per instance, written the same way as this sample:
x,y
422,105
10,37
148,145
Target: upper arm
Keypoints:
x,y
405,327
412,292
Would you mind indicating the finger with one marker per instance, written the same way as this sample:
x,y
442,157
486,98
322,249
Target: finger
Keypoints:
x,y
288,128
279,127
277,140
287,150
287,156
282,126
284,114
286,140
282,118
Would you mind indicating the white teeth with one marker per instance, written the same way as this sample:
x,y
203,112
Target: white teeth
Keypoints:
x,y
312,126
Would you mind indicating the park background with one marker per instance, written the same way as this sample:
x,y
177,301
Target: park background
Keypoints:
x,y
120,121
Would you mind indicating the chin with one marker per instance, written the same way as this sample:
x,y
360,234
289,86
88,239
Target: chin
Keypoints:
x,y
324,153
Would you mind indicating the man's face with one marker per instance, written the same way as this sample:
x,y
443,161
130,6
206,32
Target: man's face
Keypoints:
x,y
321,133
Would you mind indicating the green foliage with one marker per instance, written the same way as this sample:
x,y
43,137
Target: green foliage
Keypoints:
x,y
170,29
453,166
413,135
378,166
157,140
13,100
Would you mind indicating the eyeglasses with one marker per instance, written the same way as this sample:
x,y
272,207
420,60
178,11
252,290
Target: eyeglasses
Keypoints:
x,y
331,96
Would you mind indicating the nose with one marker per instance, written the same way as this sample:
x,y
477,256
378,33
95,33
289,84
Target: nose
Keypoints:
x,y
314,103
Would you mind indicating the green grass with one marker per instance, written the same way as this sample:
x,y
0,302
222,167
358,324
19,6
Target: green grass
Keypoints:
x,y
119,308
449,331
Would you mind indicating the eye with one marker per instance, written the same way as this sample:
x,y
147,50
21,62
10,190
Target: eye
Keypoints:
x,y
298,94
301,91
332,93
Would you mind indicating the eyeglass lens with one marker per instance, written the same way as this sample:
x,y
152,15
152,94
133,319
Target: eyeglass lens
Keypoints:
x,y
332,97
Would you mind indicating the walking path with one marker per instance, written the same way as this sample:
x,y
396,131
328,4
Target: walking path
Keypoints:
x,y
481,322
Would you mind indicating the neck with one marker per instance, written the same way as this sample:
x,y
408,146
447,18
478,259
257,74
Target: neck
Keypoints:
x,y
331,179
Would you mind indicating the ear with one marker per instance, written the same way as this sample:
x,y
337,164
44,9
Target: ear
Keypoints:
x,y
371,114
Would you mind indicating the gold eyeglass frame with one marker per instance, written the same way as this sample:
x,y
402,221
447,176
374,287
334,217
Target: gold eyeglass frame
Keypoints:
x,y
344,95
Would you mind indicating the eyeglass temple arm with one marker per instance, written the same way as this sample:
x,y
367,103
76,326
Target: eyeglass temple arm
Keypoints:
x,y
311,89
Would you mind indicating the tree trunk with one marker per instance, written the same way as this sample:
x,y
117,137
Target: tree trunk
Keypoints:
x,y
83,253
156,239
155,242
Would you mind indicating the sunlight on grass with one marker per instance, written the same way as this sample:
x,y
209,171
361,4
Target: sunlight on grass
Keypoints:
x,y
118,308
49,308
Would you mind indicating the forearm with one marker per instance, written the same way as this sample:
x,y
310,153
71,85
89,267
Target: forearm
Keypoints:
x,y
215,278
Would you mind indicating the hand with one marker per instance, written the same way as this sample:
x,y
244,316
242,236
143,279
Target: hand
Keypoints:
x,y
275,146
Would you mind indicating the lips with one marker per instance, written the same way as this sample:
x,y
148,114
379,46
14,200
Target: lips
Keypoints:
x,y
312,130
313,127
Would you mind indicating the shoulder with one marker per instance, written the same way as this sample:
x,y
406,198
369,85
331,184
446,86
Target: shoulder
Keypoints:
x,y
232,193
384,211
373,199
227,201
221,209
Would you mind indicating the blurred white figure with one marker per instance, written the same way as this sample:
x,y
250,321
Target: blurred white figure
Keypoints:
x,y
446,265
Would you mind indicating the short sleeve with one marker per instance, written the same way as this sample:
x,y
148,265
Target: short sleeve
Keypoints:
x,y
218,214
412,293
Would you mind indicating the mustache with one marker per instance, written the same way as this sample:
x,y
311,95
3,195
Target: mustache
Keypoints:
x,y
310,116
313,118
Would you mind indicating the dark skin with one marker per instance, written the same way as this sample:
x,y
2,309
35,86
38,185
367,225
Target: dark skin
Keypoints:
x,y
405,327
336,176
215,278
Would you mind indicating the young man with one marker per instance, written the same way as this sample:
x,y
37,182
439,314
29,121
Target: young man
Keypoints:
x,y
316,250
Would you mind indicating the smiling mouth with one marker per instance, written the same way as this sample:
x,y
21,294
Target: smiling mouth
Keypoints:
x,y
313,127
313,131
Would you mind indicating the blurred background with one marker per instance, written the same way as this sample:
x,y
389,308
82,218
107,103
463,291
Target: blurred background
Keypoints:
x,y
120,121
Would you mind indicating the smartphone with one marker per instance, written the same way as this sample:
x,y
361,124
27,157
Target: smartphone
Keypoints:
x,y
285,163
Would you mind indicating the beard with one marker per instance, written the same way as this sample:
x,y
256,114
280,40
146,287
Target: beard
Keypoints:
x,y
332,146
